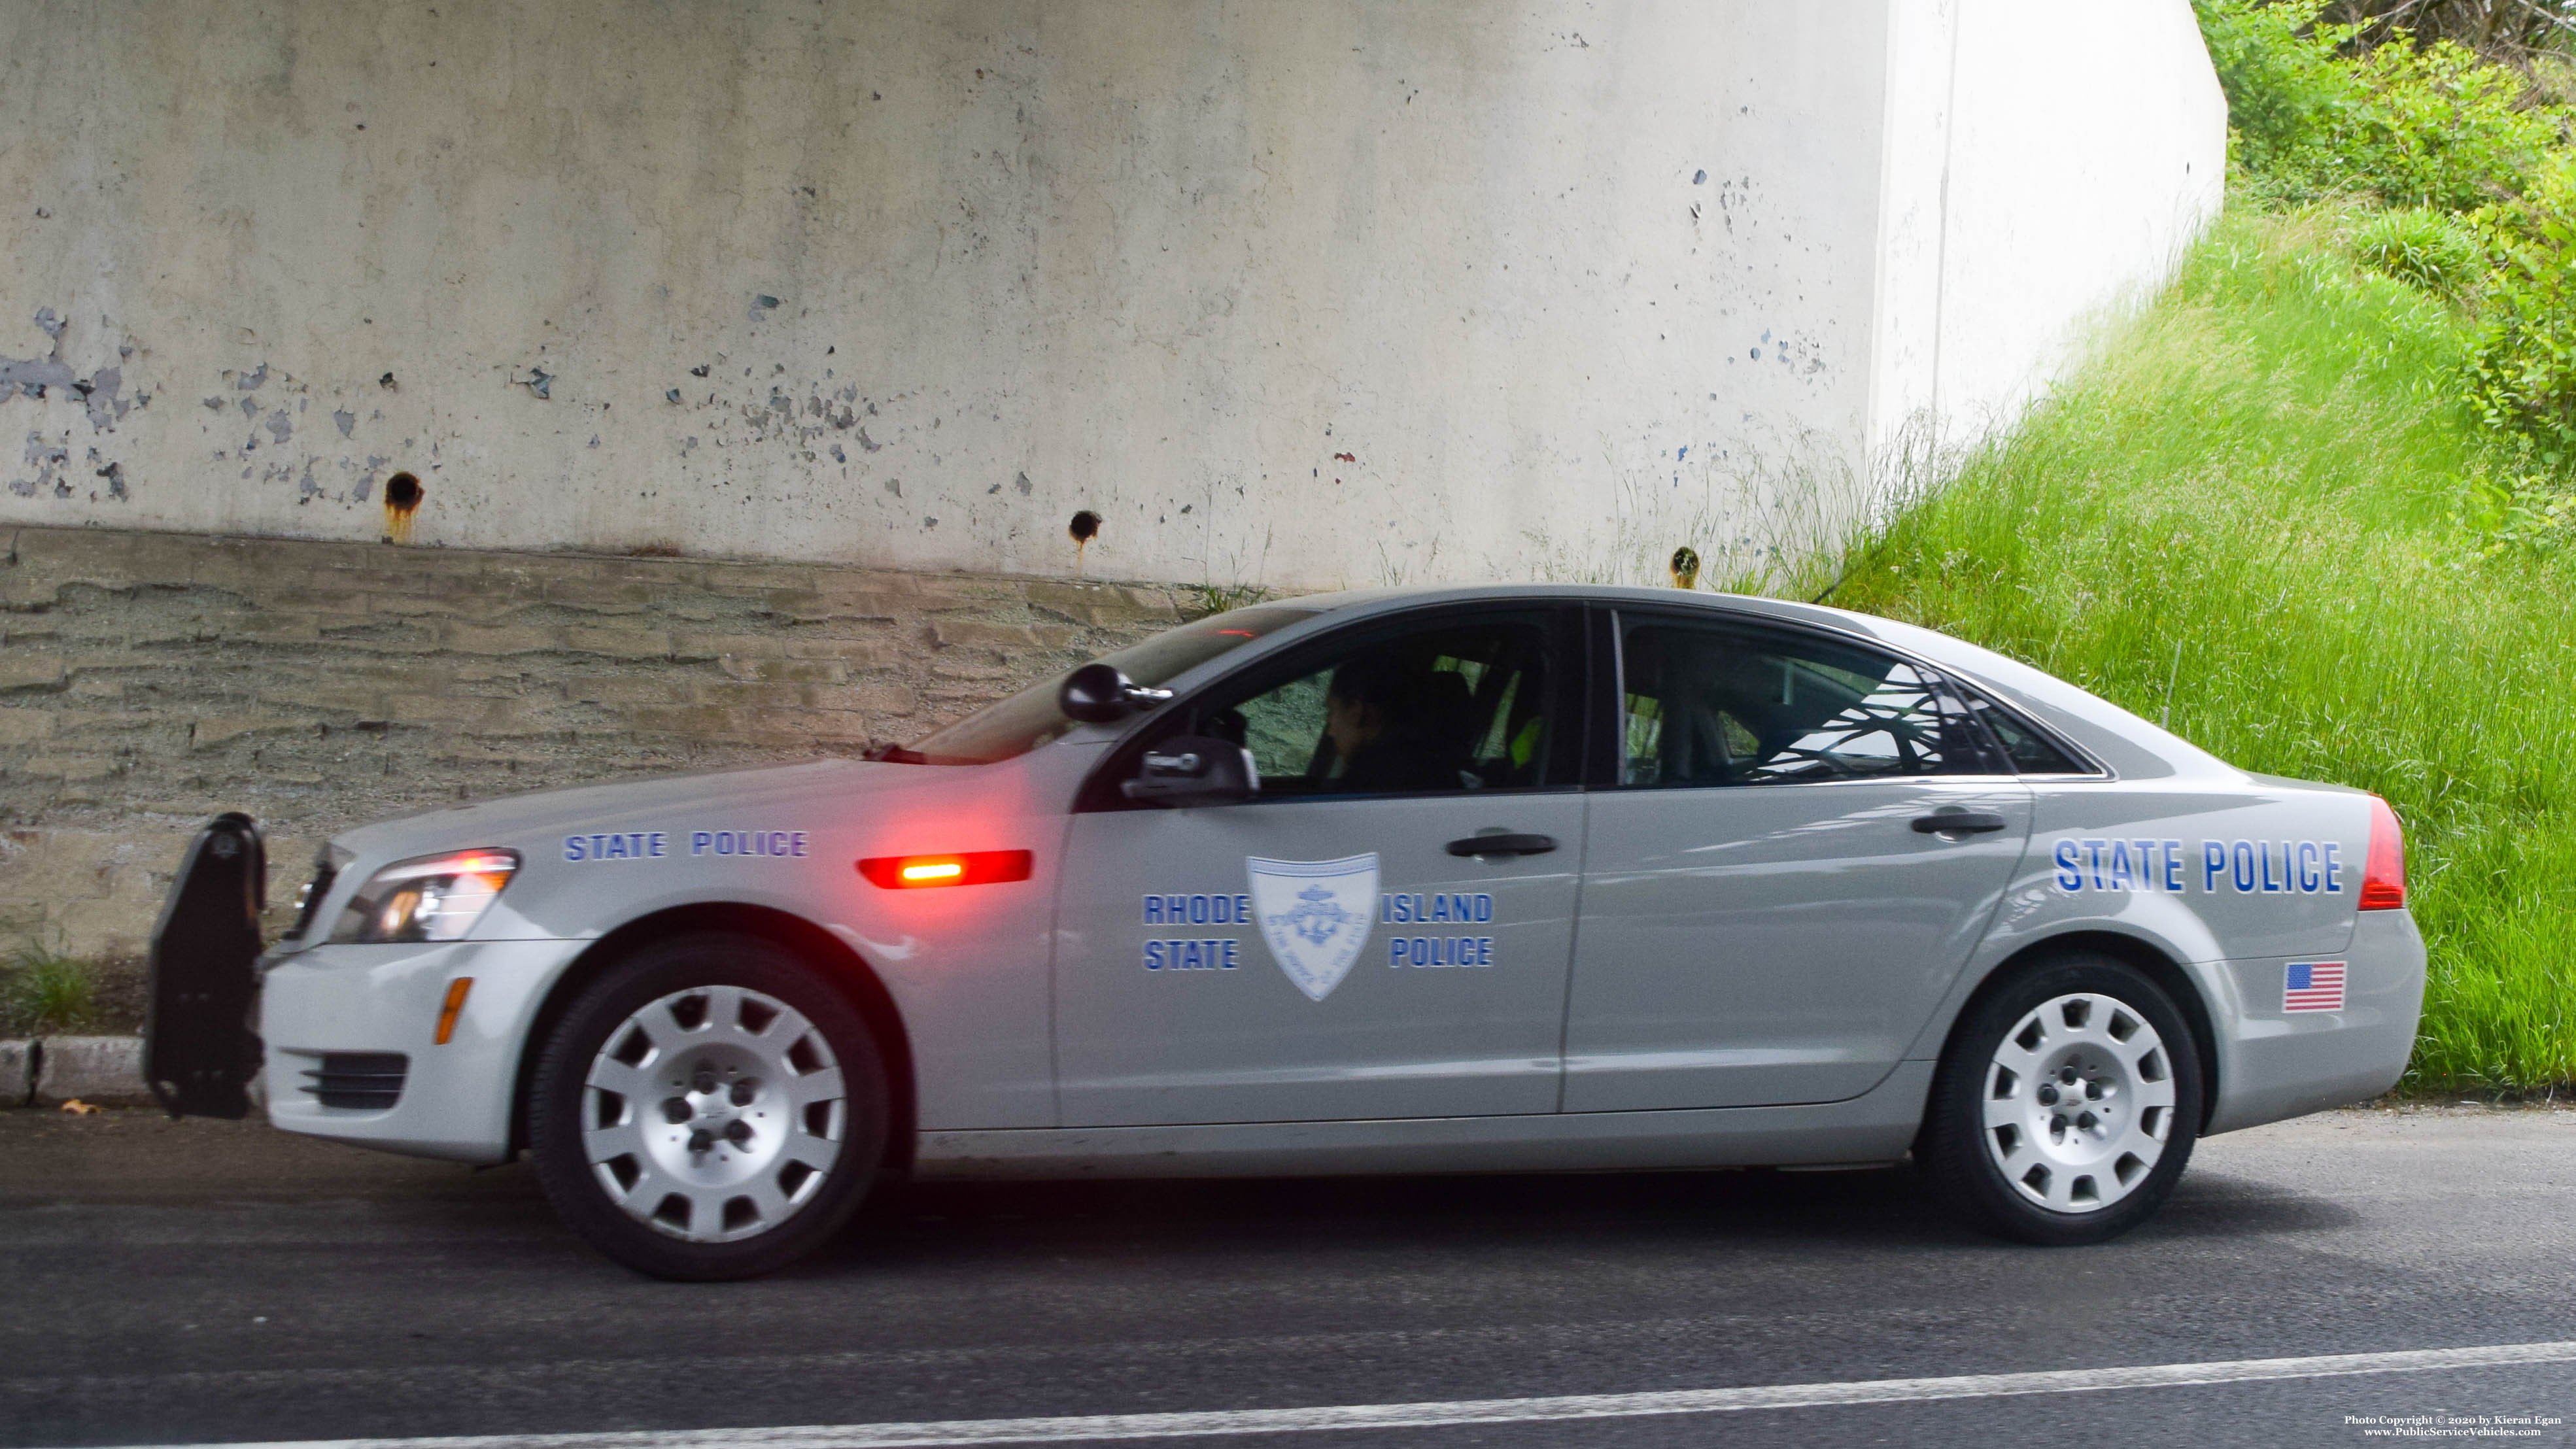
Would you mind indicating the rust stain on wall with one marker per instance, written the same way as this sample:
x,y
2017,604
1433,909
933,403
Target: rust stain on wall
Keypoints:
x,y
403,495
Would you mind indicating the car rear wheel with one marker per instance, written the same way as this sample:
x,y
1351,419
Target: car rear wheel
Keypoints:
x,y
2066,1106
711,1108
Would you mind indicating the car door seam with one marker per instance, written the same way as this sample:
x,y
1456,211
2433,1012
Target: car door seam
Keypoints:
x,y
1573,947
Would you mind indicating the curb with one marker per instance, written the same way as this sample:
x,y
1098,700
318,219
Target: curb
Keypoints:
x,y
50,1070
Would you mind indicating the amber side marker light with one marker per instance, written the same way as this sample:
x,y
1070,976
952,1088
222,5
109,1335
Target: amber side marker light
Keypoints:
x,y
974,867
2383,880
456,991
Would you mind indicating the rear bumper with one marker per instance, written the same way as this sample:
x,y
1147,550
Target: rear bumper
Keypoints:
x,y
2281,1063
331,1010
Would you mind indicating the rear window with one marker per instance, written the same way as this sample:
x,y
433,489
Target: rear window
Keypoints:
x,y
1707,705
1030,718
2031,752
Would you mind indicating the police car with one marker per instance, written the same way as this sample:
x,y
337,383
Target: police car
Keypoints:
x,y
1454,880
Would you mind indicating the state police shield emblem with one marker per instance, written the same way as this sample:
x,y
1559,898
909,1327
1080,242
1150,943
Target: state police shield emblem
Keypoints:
x,y
1316,915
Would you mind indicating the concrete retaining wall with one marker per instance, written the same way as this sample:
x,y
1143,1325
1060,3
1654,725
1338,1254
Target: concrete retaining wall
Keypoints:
x,y
2053,219
1301,294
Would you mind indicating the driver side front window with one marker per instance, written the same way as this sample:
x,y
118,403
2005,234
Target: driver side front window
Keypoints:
x,y
1461,707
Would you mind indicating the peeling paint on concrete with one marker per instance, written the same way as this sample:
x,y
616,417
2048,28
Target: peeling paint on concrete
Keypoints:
x,y
347,420
47,460
99,392
32,377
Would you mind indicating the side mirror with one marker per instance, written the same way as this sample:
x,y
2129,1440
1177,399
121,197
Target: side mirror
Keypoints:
x,y
1194,770
1100,694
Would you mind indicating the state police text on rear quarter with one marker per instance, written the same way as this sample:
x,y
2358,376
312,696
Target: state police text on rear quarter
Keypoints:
x,y
2250,867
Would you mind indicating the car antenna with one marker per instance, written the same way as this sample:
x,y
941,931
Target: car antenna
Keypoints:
x,y
2165,720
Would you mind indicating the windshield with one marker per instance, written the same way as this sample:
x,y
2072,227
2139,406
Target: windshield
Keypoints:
x,y
1030,718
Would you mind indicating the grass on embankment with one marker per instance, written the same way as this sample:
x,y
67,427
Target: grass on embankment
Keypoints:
x,y
2262,470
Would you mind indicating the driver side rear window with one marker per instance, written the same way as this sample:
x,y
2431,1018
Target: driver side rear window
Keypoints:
x,y
1704,706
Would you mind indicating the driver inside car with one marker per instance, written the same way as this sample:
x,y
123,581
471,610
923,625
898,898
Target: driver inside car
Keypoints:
x,y
1393,728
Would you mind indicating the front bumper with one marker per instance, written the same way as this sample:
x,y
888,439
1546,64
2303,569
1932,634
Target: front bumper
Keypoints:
x,y
329,1008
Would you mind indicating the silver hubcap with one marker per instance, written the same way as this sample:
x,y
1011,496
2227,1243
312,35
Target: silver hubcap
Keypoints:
x,y
714,1113
2079,1100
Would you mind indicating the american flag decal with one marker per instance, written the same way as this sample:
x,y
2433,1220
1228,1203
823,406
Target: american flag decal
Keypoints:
x,y
2313,986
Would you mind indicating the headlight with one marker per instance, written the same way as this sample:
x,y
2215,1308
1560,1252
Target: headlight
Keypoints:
x,y
432,898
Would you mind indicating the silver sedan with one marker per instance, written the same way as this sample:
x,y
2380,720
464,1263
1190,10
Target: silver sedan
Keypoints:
x,y
1478,879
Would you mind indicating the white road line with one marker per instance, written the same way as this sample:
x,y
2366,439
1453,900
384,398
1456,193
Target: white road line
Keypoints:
x,y
1490,1411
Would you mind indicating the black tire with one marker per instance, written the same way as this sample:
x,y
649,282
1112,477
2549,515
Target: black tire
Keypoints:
x,y
694,1235
1959,1152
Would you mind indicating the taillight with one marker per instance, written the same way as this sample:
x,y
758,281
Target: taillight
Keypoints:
x,y
2383,881
973,867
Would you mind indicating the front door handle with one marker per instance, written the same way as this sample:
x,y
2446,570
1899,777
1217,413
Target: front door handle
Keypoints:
x,y
1963,822
1503,845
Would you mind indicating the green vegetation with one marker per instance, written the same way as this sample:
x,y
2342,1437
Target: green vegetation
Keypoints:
x,y
2315,502
1205,599
42,993
2314,114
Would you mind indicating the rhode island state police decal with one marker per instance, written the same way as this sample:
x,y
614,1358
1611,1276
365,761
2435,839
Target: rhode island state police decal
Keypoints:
x,y
1316,915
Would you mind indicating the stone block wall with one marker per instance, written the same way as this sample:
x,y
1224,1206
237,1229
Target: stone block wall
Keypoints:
x,y
149,681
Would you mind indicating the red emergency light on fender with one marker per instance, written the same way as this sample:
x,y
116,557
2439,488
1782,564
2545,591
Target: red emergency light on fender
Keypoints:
x,y
2383,880
973,867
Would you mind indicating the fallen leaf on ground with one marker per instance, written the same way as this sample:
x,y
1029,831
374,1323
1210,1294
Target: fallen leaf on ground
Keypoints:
x,y
79,1108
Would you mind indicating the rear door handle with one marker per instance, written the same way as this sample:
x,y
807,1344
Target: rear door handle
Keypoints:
x,y
1964,822
1503,845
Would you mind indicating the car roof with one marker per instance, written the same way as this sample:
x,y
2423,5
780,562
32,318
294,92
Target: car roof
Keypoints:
x,y
2133,747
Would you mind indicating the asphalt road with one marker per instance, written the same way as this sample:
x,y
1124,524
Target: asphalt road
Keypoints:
x,y
209,1282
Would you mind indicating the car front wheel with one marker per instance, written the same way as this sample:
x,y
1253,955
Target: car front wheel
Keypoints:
x,y
2066,1105
711,1108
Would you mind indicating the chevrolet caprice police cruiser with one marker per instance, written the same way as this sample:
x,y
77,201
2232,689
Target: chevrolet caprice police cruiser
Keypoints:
x,y
1487,879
